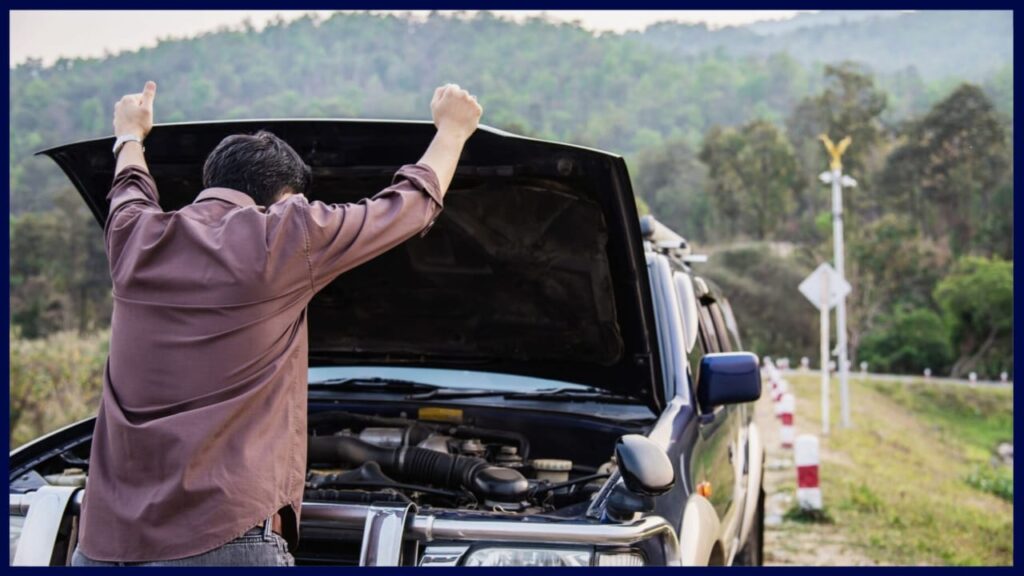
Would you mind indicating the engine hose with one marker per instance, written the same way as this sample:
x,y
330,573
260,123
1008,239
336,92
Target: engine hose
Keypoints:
x,y
495,483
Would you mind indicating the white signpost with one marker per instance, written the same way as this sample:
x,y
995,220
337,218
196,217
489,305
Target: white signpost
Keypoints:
x,y
825,288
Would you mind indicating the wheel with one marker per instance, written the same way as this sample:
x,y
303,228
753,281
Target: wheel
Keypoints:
x,y
752,553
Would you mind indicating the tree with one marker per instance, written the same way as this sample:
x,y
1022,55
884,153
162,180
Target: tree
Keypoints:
x,y
753,177
849,105
908,341
949,171
894,268
977,302
671,180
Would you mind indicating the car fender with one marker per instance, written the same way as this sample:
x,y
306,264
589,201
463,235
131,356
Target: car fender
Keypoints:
x,y
698,535
755,472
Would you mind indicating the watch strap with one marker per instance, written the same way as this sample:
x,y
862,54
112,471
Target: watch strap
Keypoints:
x,y
124,139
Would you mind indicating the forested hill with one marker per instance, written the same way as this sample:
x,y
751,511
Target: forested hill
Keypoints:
x,y
719,128
969,45
623,93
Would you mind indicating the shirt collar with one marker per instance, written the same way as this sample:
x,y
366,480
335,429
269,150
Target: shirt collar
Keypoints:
x,y
226,194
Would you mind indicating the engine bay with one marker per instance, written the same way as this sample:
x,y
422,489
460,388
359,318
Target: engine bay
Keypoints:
x,y
361,459
457,460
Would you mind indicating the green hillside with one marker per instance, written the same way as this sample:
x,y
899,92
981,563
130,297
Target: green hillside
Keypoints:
x,y
719,129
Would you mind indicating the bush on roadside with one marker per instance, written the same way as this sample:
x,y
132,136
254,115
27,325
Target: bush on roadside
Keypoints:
x,y
909,342
994,480
54,381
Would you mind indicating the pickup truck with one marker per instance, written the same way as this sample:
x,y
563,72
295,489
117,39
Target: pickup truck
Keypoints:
x,y
542,379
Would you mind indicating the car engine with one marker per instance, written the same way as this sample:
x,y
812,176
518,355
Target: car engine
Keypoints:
x,y
356,458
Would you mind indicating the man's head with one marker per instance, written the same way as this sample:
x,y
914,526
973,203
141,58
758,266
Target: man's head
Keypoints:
x,y
261,165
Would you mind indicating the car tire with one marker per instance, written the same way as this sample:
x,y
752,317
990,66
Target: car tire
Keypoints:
x,y
752,553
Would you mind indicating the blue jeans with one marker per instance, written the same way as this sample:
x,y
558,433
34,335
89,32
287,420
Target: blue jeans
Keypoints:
x,y
258,547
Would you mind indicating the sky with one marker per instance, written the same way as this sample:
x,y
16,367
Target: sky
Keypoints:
x,y
50,35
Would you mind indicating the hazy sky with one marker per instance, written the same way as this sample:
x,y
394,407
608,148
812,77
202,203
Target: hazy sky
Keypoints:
x,y
52,34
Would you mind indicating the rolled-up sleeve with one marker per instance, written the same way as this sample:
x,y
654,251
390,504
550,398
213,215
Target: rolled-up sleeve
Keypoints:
x,y
133,192
343,236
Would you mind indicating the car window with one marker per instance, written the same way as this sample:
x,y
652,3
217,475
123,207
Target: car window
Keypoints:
x,y
724,343
707,327
694,357
707,343
732,328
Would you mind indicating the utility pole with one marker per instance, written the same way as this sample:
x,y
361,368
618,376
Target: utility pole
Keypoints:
x,y
838,181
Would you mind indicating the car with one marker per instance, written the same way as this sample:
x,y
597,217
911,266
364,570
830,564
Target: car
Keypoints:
x,y
542,379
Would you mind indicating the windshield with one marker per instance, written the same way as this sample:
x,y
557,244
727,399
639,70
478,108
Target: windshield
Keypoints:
x,y
455,379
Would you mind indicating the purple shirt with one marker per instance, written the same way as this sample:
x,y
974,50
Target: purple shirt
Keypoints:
x,y
201,431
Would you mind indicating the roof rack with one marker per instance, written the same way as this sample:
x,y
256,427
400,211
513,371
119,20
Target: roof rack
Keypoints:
x,y
663,240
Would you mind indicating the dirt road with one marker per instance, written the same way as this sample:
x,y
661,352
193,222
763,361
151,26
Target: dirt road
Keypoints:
x,y
787,542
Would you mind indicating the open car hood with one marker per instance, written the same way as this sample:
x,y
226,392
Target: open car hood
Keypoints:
x,y
534,267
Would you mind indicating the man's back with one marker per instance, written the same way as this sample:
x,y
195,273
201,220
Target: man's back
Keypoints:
x,y
201,429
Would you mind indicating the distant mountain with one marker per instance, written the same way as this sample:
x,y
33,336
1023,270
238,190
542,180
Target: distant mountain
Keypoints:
x,y
626,93
968,45
822,18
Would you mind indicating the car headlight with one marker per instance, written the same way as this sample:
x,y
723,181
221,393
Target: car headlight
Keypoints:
x,y
529,557
15,525
620,559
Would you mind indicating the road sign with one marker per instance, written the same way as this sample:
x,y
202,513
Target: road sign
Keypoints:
x,y
814,284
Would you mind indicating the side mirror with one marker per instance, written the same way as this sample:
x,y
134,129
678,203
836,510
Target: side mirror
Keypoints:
x,y
645,468
728,378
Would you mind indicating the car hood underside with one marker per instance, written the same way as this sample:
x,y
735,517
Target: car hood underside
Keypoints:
x,y
535,266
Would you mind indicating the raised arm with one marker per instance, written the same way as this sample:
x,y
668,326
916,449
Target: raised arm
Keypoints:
x,y
133,116
342,236
456,114
133,190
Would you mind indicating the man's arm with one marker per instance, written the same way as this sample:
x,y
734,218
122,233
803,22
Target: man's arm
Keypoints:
x,y
133,116
133,190
456,114
342,236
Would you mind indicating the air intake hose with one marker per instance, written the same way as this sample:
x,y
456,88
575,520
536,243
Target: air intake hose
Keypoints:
x,y
410,463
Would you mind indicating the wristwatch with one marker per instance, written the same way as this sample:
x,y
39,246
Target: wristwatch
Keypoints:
x,y
124,139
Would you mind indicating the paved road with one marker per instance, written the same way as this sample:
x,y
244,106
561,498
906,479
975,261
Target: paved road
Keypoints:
x,y
907,378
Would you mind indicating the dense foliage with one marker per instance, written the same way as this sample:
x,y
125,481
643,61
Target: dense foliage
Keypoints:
x,y
719,128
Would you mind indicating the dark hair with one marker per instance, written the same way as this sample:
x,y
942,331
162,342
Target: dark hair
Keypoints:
x,y
260,164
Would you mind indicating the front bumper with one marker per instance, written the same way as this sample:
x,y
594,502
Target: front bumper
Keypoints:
x,y
390,533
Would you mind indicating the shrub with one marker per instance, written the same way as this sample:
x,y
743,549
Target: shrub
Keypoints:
x,y
994,480
54,381
909,342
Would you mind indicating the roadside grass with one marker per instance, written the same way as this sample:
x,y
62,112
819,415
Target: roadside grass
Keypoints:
x,y
899,480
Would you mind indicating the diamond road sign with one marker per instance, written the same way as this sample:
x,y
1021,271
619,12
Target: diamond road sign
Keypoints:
x,y
813,286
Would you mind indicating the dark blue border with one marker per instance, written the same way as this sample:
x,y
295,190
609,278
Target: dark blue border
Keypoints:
x,y
507,5
549,5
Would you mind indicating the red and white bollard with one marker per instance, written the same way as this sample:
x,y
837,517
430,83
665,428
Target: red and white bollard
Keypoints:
x,y
781,389
808,491
787,433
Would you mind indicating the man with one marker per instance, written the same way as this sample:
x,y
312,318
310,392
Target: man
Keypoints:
x,y
199,452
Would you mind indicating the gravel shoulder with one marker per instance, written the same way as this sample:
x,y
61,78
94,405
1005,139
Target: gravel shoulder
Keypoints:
x,y
788,542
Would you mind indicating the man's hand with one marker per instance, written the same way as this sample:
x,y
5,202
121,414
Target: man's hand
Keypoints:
x,y
455,111
456,115
133,113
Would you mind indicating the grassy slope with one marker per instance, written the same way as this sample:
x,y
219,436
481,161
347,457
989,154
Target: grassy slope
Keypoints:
x,y
896,481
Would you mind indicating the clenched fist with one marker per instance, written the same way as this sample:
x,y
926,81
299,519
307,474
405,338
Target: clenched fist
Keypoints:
x,y
455,110
133,113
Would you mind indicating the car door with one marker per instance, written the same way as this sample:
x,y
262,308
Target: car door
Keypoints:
x,y
737,414
712,471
